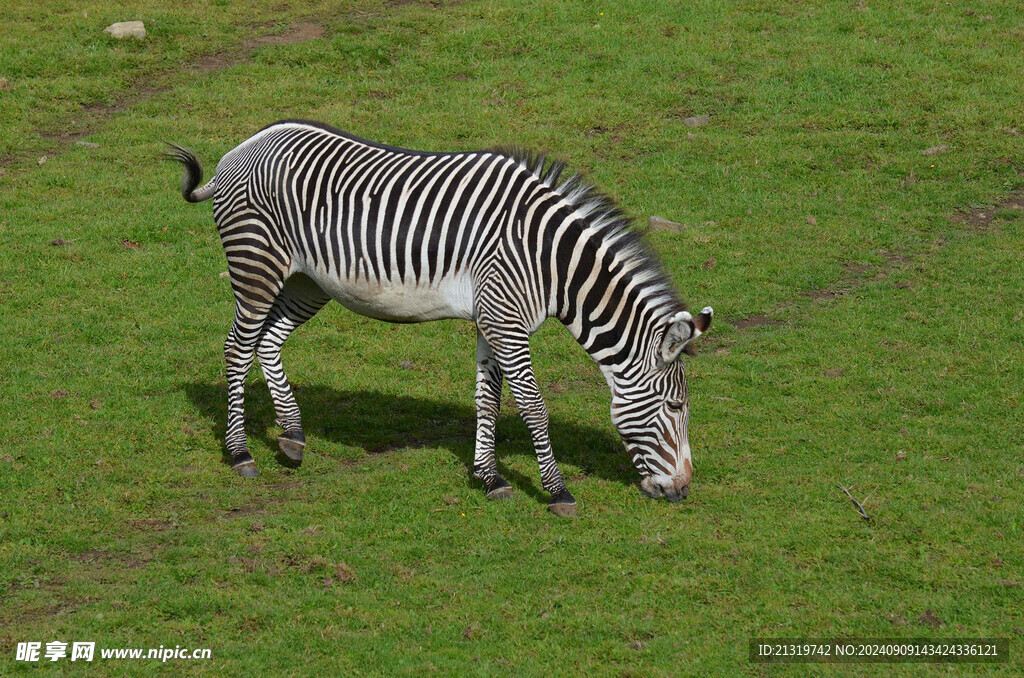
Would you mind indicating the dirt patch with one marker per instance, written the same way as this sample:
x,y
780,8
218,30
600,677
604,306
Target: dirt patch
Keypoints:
x,y
300,31
981,218
388,448
121,560
42,583
929,618
827,293
316,565
89,556
854,275
247,510
755,320
27,615
91,117
391,4
150,524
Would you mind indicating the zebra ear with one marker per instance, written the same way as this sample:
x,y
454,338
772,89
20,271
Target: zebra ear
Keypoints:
x,y
682,329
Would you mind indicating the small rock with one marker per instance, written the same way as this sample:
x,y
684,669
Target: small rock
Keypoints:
x,y
697,120
656,223
87,144
127,29
42,160
935,150
811,220
5,85
224,274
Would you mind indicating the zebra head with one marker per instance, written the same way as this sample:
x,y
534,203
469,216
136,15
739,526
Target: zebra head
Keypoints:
x,y
651,408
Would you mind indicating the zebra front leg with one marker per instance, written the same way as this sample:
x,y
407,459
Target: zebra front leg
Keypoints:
x,y
513,354
488,404
299,301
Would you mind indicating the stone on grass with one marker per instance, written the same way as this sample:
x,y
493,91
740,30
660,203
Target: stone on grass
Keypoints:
x,y
697,121
657,223
127,29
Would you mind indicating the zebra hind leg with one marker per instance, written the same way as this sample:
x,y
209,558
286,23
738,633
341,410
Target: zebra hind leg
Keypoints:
x,y
299,301
488,404
238,355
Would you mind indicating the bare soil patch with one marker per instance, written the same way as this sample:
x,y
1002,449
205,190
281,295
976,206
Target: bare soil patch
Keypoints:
x,y
300,31
755,320
981,218
854,275
91,117
116,558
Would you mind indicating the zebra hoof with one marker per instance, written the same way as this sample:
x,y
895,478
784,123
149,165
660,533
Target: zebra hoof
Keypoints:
x,y
563,505
246,469
291,444
499,489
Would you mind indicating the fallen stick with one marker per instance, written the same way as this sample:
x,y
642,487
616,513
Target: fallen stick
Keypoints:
x,y
863,513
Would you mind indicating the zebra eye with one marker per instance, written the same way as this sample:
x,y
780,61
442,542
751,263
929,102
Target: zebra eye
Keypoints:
x,y
675,405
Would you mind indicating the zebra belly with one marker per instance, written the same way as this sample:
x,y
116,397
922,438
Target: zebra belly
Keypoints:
x,y
394,301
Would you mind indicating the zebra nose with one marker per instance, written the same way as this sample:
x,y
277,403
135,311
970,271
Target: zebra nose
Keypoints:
x,y
680,488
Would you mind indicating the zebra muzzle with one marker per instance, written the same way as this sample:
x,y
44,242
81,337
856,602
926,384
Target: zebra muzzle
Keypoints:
x,y
673,488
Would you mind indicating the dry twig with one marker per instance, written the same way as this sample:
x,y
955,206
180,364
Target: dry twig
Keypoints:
x,y
863,513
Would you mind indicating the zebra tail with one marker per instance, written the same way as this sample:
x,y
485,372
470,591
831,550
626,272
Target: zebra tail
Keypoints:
x,y
193,174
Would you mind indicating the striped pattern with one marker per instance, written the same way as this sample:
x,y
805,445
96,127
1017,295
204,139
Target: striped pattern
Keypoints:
x,y
307,213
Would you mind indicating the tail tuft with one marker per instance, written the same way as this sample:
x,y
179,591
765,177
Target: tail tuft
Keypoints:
x,y
193,174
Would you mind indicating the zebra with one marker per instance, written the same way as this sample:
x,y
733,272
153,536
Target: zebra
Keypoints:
x,y
308,213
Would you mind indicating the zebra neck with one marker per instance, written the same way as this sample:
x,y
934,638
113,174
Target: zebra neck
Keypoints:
x,y
603,283
619,342
613,312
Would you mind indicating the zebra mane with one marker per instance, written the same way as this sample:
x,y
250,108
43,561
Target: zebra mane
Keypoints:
x,y
605,216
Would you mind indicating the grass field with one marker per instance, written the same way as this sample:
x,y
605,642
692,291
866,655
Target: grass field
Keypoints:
x,y
852,211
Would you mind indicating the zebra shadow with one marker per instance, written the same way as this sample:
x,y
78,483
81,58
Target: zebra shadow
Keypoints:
x,y
383,423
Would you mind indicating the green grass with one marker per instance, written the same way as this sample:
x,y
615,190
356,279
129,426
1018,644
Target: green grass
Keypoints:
x,y
889,359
